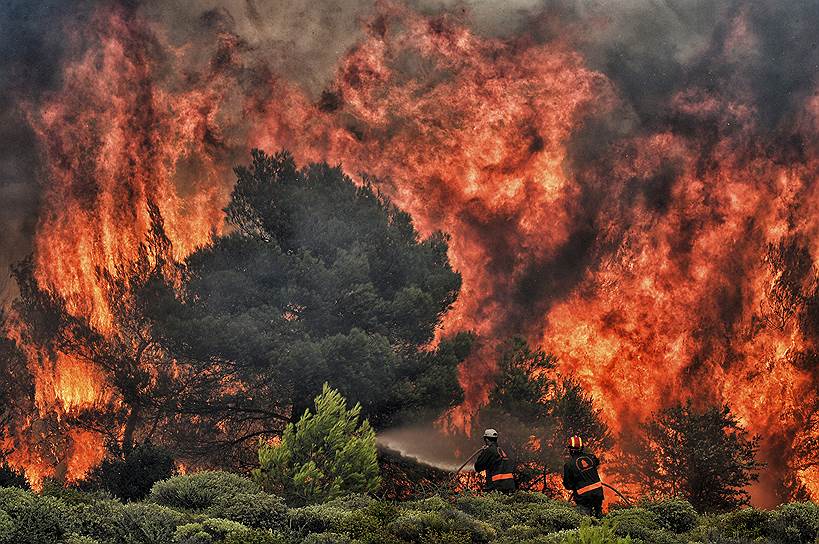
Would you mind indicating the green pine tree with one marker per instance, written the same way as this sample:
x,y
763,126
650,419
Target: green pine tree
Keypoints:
x,y
323,456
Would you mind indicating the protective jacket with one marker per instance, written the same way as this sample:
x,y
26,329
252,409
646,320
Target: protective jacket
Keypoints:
x,y
581,477
498,467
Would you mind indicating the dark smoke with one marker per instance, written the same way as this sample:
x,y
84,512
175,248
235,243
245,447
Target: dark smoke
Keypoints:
x,y
31,50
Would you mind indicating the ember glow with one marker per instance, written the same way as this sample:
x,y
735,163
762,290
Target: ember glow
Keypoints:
x,y
640,244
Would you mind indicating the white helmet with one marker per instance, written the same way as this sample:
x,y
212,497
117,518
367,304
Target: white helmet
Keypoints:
x,y
490,433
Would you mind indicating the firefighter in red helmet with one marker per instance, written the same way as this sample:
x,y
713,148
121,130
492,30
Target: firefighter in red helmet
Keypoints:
x,y
498,467
581,478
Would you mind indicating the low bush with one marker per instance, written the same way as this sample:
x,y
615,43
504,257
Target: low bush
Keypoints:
x,y
71,495
145,523
135,523
235,515
200,490
595,535
326,538
101,520
6,528
748,524
256,536
209,531
257,510
319,518
450,524
33,519
554,517
74,538
432,504
675,515
794,523
638,523
130,477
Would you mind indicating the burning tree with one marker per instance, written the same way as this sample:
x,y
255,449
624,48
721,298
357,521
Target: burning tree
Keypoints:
x,y
702,455
16,400
146,383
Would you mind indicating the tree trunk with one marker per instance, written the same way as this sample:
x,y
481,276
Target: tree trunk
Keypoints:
x,y
130,428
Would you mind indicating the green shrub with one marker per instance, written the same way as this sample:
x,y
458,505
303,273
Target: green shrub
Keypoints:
x,y
794,523
383,511
208,531
418,526
747,524
256,536
148,524
6,528
478,506
71,495
554,517
359,524
258,510
524,497
353,501
318,518
200,490
325,455
74,538
102,520
35,519
326,538
130,477
519,533
431,504
676,515
595,535
637,523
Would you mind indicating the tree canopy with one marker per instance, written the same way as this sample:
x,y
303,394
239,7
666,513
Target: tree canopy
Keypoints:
x,y
700,454
320,281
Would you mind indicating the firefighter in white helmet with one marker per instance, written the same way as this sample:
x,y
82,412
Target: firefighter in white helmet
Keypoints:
x,y
498,467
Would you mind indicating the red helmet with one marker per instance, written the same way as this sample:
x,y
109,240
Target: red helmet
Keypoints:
x,y
575,443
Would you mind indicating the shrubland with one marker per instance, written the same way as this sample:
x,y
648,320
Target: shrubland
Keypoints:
x,y
217,507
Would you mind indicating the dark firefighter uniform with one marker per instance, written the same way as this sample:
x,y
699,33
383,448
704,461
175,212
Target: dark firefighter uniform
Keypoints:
x,y
498,467
581,477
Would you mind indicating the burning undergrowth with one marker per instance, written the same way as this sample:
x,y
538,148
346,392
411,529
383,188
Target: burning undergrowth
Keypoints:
x,y
634,190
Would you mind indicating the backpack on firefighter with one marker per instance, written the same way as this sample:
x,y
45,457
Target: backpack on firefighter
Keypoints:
x,y
497,465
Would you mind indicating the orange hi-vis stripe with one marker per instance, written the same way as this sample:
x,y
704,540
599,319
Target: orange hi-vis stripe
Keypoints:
x,y
590,487
506,476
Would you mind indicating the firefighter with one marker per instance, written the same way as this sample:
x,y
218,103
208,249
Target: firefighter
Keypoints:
x,y
581,478
496,463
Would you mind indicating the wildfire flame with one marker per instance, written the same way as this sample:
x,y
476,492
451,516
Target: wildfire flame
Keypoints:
x,y
637,257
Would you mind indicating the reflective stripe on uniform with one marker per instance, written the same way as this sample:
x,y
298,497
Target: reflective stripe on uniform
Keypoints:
x,y
497,477
590,487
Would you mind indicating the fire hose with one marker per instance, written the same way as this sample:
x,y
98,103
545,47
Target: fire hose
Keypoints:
x,y
625,500
455,476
